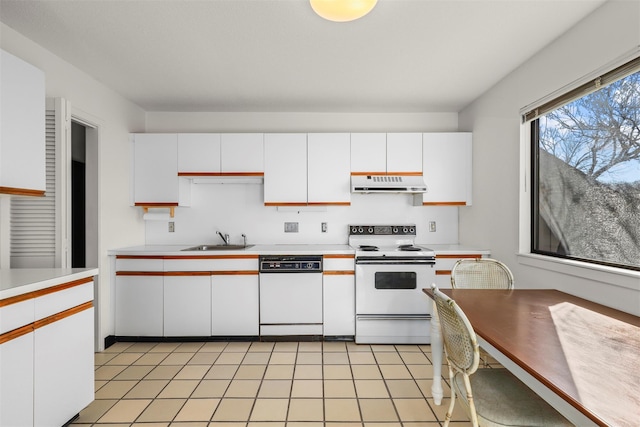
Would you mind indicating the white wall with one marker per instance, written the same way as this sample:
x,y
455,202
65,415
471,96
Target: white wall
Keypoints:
x,y
116,117
237,209
493,220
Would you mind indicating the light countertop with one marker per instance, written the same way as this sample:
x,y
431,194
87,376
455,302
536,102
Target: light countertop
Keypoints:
x,y
283,249
18,281
278,249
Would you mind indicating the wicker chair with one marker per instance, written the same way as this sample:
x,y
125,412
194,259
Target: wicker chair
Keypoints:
x,y
501,399
481,273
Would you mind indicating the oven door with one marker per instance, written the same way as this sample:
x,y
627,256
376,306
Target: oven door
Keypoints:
x,y
393,287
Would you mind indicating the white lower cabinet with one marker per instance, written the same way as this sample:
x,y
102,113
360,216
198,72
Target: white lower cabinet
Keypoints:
x,y
339,295
187,305
339,302
139,305
47,354
16,387
235,304
63,369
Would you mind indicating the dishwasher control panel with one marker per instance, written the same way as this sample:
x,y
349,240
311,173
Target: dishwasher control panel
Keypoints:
x,y
291,264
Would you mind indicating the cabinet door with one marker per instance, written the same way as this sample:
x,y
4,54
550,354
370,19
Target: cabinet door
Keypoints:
x,y
243,153
63,369
285,169
404,153
139,305
22,134
328,174
234,304
16,382
198,153
339,304
187,305
368,153
447,159
155,168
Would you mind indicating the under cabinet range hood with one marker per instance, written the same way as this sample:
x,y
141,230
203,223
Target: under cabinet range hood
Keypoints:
x,y
387,184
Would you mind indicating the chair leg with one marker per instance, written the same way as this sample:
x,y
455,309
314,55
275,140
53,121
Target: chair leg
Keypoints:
x,y
447,417
472,406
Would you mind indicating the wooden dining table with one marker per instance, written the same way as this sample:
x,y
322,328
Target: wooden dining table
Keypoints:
x,y
581,357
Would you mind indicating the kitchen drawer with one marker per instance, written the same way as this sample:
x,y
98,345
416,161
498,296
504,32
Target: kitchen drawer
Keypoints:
x,y
372,330
62,300
219,263
189,264
246,263
338,263
16,315
139,264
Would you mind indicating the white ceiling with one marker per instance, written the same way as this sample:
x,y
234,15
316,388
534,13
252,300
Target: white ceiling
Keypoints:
x,y
277,55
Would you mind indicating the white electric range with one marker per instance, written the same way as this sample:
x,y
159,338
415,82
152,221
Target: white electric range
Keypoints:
x,y
391,271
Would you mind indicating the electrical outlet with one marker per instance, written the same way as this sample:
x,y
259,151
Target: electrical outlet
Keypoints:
x,y
290,227
172,226
324,227
432,226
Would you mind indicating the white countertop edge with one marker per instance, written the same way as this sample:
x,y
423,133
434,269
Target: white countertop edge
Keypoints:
x,y
19,281
456,250
279,249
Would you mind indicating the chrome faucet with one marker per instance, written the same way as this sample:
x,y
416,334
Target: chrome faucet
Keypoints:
x,y
224,237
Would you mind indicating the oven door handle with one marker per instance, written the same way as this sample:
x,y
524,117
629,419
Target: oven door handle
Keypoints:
x,y
381,261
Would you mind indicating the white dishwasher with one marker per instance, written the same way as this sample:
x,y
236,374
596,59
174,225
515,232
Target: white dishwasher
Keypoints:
x,y
290,295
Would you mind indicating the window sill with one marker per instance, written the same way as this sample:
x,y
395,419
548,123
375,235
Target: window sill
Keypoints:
x,y
601,273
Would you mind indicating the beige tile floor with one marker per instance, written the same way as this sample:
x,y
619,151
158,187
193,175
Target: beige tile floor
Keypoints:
x,y
267,384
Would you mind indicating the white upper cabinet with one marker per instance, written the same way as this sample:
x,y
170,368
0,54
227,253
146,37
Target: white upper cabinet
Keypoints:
x,y
447,168
285,169
404,153
386,153
155,168
198,153
328,168
242,154
368,153
214,154
22,127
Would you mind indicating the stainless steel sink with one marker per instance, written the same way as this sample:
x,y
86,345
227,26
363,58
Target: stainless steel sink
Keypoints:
x,y
217,247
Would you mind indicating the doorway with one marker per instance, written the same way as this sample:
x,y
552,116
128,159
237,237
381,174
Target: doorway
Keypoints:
x,y
84,196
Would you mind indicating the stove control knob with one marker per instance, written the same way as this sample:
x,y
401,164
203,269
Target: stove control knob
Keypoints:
x,y
395,230
370,230
405,230
354,230
360,230
412,230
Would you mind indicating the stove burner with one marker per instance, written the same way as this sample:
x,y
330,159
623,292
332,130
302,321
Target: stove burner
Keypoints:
x,y
368,248
409,248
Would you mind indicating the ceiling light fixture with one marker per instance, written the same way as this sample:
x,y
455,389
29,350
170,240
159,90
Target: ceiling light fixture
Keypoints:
x,y
342,10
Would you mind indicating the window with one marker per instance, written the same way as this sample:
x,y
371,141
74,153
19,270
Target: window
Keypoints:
x,y
586,172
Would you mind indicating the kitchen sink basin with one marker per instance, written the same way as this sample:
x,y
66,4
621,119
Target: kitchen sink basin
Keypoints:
x,y
217,247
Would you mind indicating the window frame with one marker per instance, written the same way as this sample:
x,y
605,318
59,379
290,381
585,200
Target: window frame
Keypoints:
x,y
624,276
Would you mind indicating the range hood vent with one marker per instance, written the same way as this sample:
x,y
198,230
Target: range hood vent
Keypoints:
x,y
387,184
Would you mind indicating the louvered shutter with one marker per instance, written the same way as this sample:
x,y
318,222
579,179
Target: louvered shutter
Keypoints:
x,y
33,219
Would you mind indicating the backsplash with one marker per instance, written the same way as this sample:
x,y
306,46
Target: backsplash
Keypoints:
x,y
235,209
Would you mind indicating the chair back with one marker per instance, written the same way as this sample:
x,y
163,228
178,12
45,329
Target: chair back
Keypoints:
x,y
481,273
460,343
